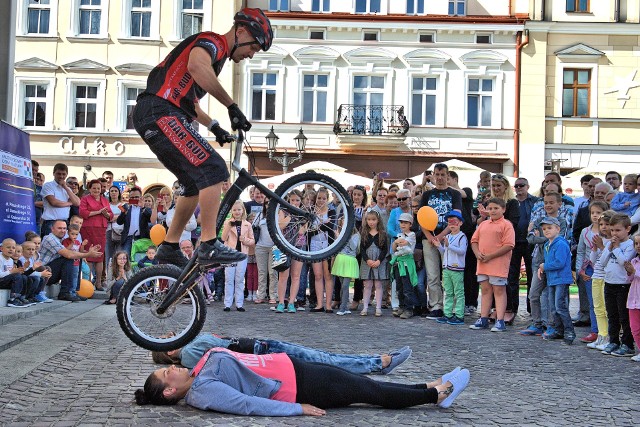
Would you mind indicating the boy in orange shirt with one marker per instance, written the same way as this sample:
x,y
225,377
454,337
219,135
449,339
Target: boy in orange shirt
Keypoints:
x,y
492,244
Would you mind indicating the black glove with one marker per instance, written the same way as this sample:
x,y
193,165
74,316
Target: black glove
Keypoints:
x,y
238,119
222,136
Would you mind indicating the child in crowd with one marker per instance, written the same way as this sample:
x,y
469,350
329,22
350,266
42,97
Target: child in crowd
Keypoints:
x,y
584,266
72,242
345,268
633,300
35,271
149,258
236,234
541,313
597,281
404,268
616,285
483,185
374,248
78,220
627,201
11,276
453,250
117,275
30,288
557,267
492,244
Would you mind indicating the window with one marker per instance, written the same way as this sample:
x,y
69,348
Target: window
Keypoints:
x,y
38,14
415,7
320,6
85,106
192,17
576,88
35,104
577,5
368,98
314,97
316,35
370,36
483,38
423,101
141,18
367,6
130,94
263,101
427,38
457,7
279,5
479,100
90,12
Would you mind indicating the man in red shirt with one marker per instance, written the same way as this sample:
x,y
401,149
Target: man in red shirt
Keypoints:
x,y
164,115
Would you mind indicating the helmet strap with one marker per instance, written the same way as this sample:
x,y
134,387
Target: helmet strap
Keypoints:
x,y
235,42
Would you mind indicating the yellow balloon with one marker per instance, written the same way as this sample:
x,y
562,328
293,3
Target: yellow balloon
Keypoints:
x,y
427,218
85,289
157,234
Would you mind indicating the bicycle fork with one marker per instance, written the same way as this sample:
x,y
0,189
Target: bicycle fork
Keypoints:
x,y
186,281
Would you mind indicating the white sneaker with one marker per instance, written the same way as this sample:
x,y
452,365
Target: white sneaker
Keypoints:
x,y
636,358
596,343
342,313
603,344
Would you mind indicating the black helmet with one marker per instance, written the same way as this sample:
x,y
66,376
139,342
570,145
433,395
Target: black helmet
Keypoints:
x,y
256,22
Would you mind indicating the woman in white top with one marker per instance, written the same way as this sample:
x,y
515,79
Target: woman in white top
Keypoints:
x,y
113,229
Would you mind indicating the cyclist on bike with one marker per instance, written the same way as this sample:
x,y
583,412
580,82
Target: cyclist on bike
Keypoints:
x,y
164,114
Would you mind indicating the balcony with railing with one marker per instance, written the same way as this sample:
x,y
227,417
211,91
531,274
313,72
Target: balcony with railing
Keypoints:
x,y
371,120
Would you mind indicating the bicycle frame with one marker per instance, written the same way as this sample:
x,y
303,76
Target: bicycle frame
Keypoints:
x,y
187,278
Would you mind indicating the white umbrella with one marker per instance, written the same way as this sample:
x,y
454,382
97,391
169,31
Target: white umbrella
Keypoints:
x,y
336,172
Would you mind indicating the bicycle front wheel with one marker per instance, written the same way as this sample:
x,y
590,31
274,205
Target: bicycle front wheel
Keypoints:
x,y
342,210
138,318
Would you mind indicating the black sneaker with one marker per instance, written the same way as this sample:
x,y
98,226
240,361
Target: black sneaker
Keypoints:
x,y
68,297
167,255
15,303
80,298
435,314
218,254
25,302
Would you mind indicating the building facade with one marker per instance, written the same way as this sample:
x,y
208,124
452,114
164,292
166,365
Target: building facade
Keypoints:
x,y
584,56
79,66
387,85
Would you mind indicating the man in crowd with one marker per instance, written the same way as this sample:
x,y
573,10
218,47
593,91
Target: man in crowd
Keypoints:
x,y
57,197
614,179
60,259
587,192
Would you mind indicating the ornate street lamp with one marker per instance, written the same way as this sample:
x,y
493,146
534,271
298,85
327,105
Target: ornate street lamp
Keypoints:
x,y
285,160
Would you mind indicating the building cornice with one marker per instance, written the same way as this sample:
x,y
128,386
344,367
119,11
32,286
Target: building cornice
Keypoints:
x,y
400,18
605,28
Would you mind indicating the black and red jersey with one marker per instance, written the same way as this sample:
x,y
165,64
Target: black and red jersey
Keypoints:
x,y
171,79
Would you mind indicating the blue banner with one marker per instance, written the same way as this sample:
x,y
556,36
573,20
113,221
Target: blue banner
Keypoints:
x,y
17,211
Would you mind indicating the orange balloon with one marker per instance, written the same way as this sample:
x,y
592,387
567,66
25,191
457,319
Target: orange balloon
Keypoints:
x,y
157,234
427,218
85,289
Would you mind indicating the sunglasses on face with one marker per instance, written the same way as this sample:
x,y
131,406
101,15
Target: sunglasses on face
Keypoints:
x,y
402,199
520,185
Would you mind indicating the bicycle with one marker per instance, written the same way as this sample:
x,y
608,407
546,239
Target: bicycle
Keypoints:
x,y
161,308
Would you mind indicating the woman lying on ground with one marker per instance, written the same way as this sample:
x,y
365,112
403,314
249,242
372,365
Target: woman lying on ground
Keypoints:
x,y
189,355
279,385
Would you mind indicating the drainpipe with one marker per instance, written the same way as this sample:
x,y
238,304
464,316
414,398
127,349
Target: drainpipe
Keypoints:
x,y
543,10
617,11
516,128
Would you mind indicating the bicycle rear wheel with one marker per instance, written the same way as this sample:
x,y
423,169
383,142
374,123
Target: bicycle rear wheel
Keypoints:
x,y
140,321
340,198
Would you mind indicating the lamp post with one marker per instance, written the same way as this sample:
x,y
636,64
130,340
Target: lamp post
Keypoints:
x,y
285,159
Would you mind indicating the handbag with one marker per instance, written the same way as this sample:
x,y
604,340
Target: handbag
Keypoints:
x,y
116,232
279,260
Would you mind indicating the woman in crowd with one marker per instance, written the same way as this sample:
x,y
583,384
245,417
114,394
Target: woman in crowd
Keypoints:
x,y
162,205
267,276
297,236
359,198
113,237
96,211
279,385
321,236
118,273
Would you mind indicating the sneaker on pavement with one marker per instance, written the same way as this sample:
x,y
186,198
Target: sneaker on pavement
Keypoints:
x,y
343,312
459,382
25,302
589,338
443,319
397,358
532,330
397,312
610,348
568,339
217,253
623,351
455,320
168,255
551,334
291,308
596,343
407,314
279,308
482,323
42,298
603,344
636,358
435,314
14,302
499,326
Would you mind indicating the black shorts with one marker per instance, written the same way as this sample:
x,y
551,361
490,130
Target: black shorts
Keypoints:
x,y
168,132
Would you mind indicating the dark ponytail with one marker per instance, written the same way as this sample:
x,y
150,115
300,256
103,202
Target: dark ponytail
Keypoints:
x,y
153,393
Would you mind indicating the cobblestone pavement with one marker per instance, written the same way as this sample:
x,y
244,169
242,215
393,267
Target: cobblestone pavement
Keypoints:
x,y
515,380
